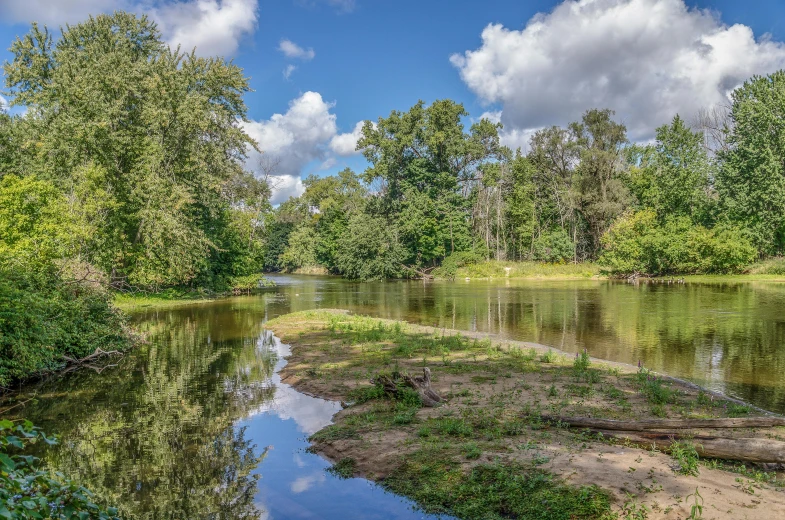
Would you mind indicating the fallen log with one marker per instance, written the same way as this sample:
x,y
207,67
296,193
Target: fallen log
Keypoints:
x,y
742,449
99,352
392,384
668,424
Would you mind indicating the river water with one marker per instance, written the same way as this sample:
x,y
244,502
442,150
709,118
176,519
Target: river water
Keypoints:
x,y
197,424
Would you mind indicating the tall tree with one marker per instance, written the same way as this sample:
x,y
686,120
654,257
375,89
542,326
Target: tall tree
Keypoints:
x,y
751,180
159,129
602,194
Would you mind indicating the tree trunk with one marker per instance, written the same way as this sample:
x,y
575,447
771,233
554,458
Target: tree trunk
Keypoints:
x,y
422,384
669,424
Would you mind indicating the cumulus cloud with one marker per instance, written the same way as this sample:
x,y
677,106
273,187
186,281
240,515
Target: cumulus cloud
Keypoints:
x,y
646,59
287,72
292,50
3,104
295,138
346,144
214,27
307,132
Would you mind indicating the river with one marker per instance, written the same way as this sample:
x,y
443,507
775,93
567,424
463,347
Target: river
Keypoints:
x,y
197,424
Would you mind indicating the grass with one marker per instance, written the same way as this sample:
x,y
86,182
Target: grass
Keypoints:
x,y
493,491
167,298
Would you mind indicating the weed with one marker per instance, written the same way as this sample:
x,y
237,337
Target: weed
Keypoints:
x,y
696,511
685,454
548,357
632,510
471,451
452,426
344,468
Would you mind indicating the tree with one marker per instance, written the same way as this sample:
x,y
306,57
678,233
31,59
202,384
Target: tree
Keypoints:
x,y
159,128
751,179
674,179
426,166
601,193
370,250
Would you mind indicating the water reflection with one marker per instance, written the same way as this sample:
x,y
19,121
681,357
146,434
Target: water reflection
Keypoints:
x,y
727,336
197,424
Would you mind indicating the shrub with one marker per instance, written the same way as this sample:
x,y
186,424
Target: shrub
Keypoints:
x,y
45,317
639,243
554,247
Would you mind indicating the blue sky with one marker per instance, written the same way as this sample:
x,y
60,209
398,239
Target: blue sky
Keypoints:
x,y
528,64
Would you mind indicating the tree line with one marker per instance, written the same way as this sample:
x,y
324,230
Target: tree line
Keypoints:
x,y
702,198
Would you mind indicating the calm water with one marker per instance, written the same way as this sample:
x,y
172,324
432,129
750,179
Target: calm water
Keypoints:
x,y
196,424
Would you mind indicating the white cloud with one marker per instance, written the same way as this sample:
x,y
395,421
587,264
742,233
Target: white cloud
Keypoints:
x,y
346,144
214,27
292,50
294,139
287,72
55,13
307,132
646,59
3,104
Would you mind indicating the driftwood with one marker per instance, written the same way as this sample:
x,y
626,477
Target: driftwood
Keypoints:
x,y
742,449
99,352
668,424
392,384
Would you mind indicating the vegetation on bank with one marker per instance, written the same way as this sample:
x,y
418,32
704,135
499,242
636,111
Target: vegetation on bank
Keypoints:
x,y
27,491
490,452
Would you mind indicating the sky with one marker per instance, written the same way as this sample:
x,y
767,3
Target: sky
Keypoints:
x,y
319,68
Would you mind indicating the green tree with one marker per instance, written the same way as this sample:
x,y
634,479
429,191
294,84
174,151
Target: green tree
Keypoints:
x,y
751,179
370,250
301,249
674,178
159,129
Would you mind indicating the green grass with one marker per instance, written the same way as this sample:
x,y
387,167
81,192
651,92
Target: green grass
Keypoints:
x,y
499,269
168,298
493,491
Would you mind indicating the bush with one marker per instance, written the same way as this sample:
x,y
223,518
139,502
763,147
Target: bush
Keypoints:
x,y
370,250
639,243
554,247
45,316
27,491
455,261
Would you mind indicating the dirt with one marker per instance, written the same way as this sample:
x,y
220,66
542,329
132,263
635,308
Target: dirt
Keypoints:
x,y
493,384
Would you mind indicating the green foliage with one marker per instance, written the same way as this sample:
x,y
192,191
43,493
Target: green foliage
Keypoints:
x,y
27,491
751,178
639,243
301,249
156,167
45,316
370,250
457,260
685,454
554,247
344,468
674,177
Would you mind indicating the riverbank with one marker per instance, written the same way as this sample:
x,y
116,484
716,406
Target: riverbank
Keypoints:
x,y
489,449
527,270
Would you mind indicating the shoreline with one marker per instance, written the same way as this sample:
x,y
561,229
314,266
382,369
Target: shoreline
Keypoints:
x,y
379,439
